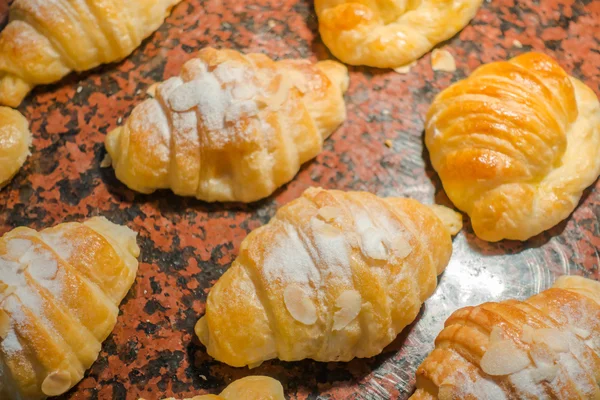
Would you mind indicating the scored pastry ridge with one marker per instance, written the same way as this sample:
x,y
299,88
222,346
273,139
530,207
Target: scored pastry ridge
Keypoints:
x,y
515,144
333,276
231,127
60,289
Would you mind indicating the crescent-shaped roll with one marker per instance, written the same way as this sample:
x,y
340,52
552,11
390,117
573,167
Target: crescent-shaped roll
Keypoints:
x,y
390,33
47,39
231,127
60,291
515,144
333,276
546,347
248,388
15,140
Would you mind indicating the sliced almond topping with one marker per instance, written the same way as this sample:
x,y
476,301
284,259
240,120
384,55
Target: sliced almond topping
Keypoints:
x,y
401,247
442,60
323,228
56,383
554,338
299,305
542,355
349,304
582,333
4,324
373,246
329,213
496,335
544,373
527,334
504,358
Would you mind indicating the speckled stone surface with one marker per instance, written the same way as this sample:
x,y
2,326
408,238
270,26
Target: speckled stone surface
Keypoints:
x,y
187,244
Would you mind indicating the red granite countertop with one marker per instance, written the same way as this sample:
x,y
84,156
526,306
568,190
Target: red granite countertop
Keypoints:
x,y
187,244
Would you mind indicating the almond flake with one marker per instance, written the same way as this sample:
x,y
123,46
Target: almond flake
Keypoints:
x,y
544,373
503,358
527,334
329,213
299,305
106,161
401,247
323,228
496,335
517,44
4,324
442,60
405,69
373,246
554,338
349,304
56,383
542,355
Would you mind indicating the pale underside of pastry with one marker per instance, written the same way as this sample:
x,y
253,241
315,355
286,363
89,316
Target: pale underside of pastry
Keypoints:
x,y
231,127
15,140
60,290
47,39
390,33
333,276
546,347
515,145
248,388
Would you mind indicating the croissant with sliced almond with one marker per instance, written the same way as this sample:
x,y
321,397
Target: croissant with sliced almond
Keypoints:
x,y
15,139
46,40
248,388
333,276
231,127
390,33
60,291
515,145
546,347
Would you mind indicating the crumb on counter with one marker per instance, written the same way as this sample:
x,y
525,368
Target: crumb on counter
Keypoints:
x,y
442,60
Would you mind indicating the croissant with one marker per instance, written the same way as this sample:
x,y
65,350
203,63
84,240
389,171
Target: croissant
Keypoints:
x,y
46,40
333,276
248,388
389,33
547,347
515,145
15,140
232,127
59,295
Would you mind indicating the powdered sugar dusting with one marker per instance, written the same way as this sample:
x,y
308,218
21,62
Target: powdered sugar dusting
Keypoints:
x,y
58,243
11,344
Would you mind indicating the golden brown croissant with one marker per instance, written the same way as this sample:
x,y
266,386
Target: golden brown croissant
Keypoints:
x,y
232,127
389,33
333,276
248,388
59,295
515,145
547,347
45,40
15,139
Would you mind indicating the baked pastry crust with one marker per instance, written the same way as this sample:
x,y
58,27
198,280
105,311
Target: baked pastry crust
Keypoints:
x,y
389,33
231,127
547,347
515,145
15,140
333,276
248,388
45,40
60,291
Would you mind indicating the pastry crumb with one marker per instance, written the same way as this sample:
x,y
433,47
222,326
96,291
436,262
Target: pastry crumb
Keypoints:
x,y
405,69
388,143
203,377
106,162
119,121
271,23
442,60
80,89
517,44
